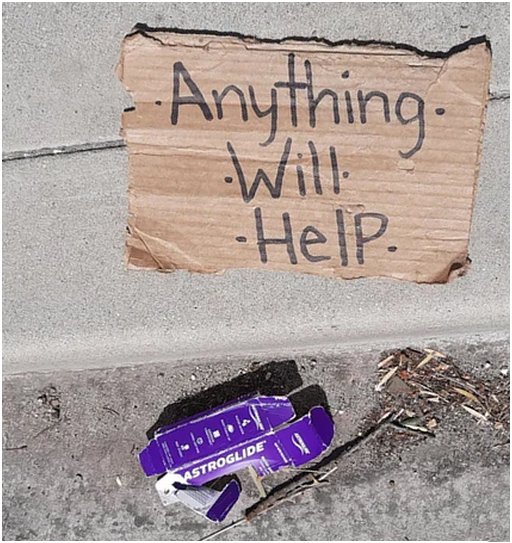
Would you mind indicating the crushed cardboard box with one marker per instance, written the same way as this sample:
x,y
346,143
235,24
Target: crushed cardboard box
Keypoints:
x,y
261,433
342,160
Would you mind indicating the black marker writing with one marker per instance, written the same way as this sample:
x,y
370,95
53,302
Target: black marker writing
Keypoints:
x,y
218,98
345,107
196,98
361,238
311,235
304,242
275,187
292,85
419,117
263,241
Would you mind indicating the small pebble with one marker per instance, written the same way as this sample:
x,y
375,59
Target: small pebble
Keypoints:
x,y
193,377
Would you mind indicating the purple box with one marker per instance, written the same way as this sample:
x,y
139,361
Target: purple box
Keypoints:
x,y
260,432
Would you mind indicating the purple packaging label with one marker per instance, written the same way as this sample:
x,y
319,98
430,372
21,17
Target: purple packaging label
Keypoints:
x,y
213,431
152,460
224,462
294,445
297,444
307,438
223,441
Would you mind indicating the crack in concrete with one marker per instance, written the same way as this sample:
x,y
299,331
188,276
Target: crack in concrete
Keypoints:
x,y
63,150
500,96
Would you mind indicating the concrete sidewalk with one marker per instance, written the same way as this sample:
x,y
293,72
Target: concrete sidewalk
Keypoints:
x,y
77,320
75,475
70,303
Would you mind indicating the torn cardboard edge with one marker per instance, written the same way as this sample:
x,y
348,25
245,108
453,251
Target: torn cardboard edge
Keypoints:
x,y
146,251
146,31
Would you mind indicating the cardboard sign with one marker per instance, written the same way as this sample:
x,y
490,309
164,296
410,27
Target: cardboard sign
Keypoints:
x,y
339,160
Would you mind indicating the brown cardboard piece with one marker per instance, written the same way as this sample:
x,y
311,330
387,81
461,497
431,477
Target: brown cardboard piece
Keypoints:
x,y
368,155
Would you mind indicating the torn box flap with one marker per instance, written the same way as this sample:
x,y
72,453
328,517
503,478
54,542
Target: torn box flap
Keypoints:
x,y
212,504
300,442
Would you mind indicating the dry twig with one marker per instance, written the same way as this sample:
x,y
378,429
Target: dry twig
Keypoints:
x,y
423,382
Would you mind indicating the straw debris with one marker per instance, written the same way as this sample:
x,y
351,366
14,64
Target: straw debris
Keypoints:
x,y
416,384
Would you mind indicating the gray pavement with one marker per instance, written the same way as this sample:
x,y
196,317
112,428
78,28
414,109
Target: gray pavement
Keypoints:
x,y
77,475
74,318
